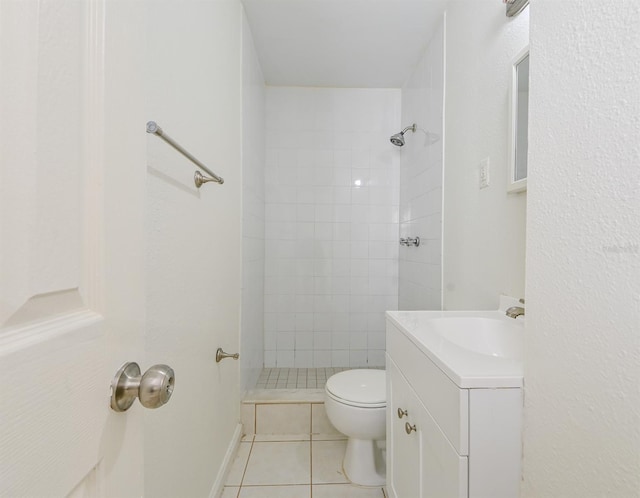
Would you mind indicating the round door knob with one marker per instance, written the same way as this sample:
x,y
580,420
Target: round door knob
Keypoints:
x,y
124,386
402,413
156,386
409,428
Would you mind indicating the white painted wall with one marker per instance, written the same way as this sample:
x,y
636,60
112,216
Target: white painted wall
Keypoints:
x,y
338,44
484,230
421,165
253,159
582,354
331,225
193,64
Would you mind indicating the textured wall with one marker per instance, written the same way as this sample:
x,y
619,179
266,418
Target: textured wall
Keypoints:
x,y
582,364
421,163
253,159
484,230
331,225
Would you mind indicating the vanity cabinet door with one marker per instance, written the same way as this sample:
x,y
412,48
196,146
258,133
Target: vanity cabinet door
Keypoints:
x,y
443,473
403,450
421,463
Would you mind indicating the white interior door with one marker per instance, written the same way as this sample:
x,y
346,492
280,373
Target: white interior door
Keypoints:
x,y
72,185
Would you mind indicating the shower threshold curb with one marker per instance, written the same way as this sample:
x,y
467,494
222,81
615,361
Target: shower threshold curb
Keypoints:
x,y
284,396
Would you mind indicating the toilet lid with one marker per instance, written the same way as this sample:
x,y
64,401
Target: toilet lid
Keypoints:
x,y
359,387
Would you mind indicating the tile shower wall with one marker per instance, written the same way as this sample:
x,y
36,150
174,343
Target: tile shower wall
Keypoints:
x,y
331,225
421,174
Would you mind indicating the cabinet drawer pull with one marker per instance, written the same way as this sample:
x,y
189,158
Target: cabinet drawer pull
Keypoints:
x,y
409,428
402,413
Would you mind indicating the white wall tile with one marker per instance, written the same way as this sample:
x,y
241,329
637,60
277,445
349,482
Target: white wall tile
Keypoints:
x,y
341,249
325,207
359,231
358,322
304,322
321,358
322,321
358,340
270,339
283,418
376,358
270,358
340,322
303,358
339,341
357,358
285,341
339,358
304,341
420,192
376,340
285,359
322,340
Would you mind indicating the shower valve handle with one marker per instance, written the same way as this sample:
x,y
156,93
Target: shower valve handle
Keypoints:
x,y
410,242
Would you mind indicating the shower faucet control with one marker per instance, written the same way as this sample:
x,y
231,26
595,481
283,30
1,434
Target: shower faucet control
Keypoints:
x,y
410,242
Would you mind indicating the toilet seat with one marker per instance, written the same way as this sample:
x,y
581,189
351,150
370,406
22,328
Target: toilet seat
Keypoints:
x,y
359,388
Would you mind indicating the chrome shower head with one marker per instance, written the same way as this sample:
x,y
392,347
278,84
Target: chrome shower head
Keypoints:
x,y
398,138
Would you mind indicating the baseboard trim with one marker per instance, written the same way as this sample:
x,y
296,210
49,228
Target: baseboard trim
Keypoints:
x,y
216,490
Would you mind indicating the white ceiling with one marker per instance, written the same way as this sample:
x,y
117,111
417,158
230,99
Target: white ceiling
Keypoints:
x,y
341,43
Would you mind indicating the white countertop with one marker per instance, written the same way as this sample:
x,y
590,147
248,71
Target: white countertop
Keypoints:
x,y
466,368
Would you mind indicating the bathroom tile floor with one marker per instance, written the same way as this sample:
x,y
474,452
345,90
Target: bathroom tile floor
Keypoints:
x,y
272,466
297,378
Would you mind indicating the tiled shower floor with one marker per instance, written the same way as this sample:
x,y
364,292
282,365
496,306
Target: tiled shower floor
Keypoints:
x,y
295,378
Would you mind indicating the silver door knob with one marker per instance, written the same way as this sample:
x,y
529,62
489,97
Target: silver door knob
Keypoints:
x,y
154,388
402,413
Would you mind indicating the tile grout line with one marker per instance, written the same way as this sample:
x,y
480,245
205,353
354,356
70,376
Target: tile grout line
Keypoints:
x,y
310,450
246,466
273,485
310,467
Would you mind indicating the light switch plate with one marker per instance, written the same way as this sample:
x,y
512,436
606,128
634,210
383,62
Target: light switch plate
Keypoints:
x,y
484,173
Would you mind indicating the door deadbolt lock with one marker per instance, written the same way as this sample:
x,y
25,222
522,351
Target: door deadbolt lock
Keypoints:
x,y
154,388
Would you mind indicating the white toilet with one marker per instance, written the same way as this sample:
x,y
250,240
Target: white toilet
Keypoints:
x,y
356,403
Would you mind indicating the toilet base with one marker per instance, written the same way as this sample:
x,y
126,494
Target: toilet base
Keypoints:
x,y
363,463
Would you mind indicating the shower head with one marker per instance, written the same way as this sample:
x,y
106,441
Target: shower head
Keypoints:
x,y
398,138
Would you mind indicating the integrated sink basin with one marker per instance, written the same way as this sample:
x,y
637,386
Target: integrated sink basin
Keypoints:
x,y
488,336
473,348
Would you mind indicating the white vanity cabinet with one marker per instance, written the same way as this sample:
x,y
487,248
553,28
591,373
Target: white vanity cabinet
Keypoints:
x,y
421,461
443,440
